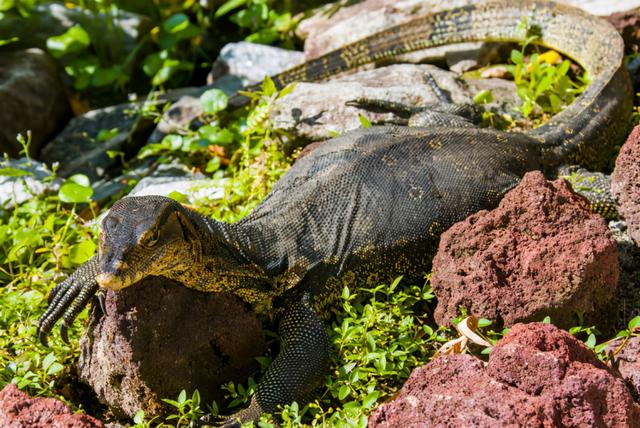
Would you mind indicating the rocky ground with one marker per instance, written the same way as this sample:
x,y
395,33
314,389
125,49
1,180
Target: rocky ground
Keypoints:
x,y
540,253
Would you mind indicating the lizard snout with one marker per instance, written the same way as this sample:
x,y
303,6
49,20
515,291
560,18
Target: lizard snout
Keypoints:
x,y
109,280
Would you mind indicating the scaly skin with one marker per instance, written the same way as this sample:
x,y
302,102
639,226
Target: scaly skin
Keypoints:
x,y
368,205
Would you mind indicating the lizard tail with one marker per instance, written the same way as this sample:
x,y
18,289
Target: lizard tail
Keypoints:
x,y
590,41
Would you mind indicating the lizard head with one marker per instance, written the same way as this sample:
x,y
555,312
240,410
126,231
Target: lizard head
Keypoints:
x,y
142,236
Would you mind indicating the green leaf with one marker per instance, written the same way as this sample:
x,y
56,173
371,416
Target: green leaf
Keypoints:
x,y
6,5
10,40
49,359
266,36
182,397
168,68
178,197
547,320
483,97
213,165
104,76
344,392
81,252
213,101
364,122
139,417
268,86
71,192
80,179
107,134
543,85
287,90
152,64
176,23
228,7
216,135
13,172
517,57
591,341
483,322
74,40
634,323
172,142
370,399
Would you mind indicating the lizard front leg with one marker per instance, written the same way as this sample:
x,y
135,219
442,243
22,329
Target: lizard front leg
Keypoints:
x,y
68,299
298,369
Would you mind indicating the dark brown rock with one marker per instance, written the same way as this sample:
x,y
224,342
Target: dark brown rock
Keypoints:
x,y
32,98
625,183
160,337
537,376
18,410
541,252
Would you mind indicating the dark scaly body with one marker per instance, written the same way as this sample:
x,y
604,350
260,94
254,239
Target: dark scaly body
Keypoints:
x,y
368,205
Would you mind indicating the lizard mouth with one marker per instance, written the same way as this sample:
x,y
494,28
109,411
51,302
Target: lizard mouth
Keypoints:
x,y
111,281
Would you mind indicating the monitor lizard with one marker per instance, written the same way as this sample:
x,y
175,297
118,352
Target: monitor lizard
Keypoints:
x,y
368,205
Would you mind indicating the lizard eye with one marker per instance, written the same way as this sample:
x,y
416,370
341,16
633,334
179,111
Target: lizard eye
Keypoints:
x,y
153,239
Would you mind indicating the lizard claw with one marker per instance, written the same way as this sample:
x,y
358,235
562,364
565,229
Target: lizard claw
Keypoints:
x,y
101,301
67,300
64,333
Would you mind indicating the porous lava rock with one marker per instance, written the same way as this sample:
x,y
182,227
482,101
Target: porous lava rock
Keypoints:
x,y
625,183
32,98
540,253
628,363
18,410
537,376
159,337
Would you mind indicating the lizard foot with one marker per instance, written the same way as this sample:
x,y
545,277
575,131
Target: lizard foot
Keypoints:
x,y
67,300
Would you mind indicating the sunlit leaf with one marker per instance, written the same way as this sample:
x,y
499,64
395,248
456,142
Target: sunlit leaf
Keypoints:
x,y
74,193
74,40
176,23
81,252
213,101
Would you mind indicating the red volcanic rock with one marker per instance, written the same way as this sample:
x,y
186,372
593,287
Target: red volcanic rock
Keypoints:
x,y
537,376
625,183
628,363
541,252
18,410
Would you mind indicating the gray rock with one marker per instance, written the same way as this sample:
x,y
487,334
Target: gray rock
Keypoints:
x,y
245,63
175,177
81,147
16,189
181,115
316,111
32,98
159,337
